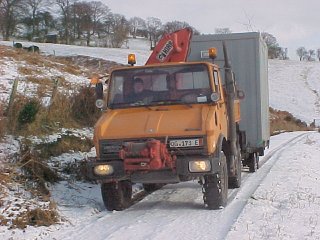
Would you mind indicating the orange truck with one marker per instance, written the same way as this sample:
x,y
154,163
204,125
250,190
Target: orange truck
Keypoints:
x,y
177,118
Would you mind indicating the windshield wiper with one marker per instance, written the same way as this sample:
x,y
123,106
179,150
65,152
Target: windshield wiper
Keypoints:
x,y
171,101
166,101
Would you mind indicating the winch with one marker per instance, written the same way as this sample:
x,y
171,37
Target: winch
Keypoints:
x,y
149,155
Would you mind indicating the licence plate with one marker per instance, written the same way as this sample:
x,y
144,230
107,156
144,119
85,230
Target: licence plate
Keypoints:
x,y
186,143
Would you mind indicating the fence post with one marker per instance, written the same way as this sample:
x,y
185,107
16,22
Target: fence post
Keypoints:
x,y
12,96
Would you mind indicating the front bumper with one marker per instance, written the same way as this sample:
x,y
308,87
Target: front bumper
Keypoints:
x,y
166,175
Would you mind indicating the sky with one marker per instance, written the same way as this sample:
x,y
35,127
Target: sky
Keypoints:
x,y
294,23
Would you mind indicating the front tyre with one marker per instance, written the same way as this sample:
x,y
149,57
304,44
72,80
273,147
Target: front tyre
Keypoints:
x,y
215,187
235,181
116,195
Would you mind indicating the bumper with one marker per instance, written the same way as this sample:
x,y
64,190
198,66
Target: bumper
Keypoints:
x,y
166,175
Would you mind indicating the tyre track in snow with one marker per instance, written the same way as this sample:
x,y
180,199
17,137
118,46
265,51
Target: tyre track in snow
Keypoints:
x,y
176,211
306,75
251,184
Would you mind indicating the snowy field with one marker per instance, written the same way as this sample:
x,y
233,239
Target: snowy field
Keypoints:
x,y
140,48
294,87
280,201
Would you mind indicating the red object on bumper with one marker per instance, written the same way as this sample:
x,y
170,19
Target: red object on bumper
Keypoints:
x,y
149,155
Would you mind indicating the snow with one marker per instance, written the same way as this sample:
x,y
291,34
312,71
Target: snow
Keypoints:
x,y
294,87
287,203
280,201
140,48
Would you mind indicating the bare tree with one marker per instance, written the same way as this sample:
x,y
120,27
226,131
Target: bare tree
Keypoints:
x,y
154,28
9,11
100,13
136,23
318,53
65,7
33,6
274,50
173,26
120,28
311,54
222,31
283,54
301,52
82,18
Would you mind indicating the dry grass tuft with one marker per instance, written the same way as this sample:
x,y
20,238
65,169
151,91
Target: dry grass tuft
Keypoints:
x,y
24,70
17,106
64,111
42,81
83,107
3,221
36,169
36,217
60,111
63,145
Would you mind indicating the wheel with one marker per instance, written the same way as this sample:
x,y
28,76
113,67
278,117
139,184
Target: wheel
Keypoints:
x,y
151,187
116,195
253,162
235,181
215,187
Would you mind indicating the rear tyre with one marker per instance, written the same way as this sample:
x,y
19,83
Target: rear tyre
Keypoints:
x,y
116,195
215,187
253,162
151,187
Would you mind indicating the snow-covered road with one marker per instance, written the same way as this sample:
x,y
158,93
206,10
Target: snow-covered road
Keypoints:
x,y
265,199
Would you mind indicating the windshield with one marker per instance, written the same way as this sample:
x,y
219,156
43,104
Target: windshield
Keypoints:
x,y
183,84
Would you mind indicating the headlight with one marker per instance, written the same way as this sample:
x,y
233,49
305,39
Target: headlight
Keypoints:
x,y
103,169
200,166
99,103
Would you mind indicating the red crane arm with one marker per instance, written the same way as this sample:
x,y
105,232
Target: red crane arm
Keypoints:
x,y
173,47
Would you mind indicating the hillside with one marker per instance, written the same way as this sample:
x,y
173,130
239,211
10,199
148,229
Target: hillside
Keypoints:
x,y
294,87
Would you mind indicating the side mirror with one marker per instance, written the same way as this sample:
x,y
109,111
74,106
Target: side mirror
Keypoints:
x,y
215,97
99,91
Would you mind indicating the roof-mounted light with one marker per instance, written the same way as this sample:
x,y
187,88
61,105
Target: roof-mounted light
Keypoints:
x,y
212,53
132,59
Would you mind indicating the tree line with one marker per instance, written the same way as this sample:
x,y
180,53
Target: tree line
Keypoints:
x,y
308,55
78,20
91,22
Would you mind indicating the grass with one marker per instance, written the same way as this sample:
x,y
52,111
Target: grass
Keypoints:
x,y
283,121
36,217
24,70
64,145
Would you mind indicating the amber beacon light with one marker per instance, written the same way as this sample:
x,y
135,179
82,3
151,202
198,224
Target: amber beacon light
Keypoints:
x,y
131,59
212,53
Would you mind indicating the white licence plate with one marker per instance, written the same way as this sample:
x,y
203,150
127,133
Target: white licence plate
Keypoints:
x,y
186,143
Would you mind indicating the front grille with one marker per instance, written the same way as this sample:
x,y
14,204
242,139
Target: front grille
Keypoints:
x,y
109,149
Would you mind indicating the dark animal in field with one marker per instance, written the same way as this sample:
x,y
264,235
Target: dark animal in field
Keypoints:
x,y
17,45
